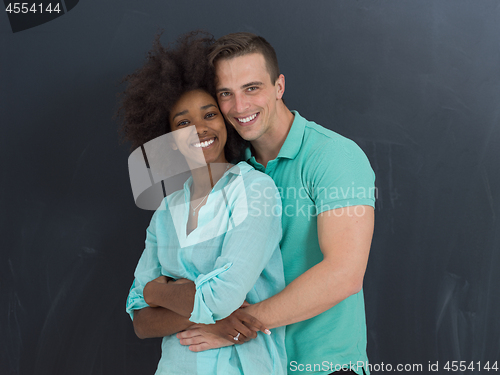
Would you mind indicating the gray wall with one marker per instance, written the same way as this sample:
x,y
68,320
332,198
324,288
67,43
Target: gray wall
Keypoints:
x,y
415,83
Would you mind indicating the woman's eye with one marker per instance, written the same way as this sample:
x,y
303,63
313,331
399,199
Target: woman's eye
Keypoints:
x,y
210,115
182,123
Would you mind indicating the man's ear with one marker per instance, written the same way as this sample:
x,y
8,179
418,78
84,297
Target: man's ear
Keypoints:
x,y
280,86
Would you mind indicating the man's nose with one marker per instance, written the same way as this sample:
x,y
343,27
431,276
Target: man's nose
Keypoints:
x,y
240,103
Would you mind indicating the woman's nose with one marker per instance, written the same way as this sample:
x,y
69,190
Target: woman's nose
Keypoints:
x,y
201,127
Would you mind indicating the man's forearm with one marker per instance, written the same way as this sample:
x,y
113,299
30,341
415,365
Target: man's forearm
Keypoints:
x,y
158,322
345,243
315,291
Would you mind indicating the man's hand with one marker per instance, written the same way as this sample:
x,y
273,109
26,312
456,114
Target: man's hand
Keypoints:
x,y
237,328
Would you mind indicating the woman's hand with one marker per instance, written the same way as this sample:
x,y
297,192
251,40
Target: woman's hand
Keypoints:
x,y
237,328
148,289
161,280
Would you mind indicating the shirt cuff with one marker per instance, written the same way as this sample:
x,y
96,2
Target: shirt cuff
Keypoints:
x,y
202,314
135,300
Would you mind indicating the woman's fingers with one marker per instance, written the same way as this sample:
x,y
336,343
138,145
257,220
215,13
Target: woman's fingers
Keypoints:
x,y
246,332
237,328
198,340
161,279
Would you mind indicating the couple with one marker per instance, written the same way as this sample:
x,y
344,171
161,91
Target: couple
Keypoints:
x,y
222,298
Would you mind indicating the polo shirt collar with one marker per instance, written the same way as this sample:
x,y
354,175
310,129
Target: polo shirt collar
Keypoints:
x,y
293,141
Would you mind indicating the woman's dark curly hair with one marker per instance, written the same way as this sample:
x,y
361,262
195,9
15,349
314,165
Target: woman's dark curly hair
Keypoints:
x,y
167,74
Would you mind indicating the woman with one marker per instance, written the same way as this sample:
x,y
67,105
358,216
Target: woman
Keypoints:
x,y
221,231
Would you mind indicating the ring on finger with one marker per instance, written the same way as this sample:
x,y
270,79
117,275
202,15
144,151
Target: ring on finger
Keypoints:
x,y
237,336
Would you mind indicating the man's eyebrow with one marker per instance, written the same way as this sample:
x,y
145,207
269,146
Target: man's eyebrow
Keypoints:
x,y
180,114
256,83
246,85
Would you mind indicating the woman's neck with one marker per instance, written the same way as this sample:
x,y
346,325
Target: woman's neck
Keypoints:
x,y
205,178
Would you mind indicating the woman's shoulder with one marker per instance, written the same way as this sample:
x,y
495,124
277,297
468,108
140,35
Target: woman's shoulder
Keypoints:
x,y
251,175
253,181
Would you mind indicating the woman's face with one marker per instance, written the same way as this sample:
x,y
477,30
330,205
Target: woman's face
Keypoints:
x,y
209,136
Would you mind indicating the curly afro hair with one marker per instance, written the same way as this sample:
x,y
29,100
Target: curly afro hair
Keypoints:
x,y
167,74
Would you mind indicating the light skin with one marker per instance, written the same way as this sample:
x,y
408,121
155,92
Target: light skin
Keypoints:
x,y
253,104
171,303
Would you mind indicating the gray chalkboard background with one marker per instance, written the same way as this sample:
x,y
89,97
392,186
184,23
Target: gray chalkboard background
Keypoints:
x,y
415,83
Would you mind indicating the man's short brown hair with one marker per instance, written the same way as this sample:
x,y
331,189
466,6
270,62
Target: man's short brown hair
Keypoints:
x,y
239,44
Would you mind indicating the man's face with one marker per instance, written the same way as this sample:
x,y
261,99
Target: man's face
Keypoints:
x,y
246,95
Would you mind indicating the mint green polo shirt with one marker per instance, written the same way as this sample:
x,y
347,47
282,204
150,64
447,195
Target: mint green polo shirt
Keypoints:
x,y
318,170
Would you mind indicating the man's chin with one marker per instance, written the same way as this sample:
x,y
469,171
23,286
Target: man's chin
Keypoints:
x,y
245,133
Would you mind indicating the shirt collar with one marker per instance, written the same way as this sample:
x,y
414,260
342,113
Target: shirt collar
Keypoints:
x,y
293,141
238,169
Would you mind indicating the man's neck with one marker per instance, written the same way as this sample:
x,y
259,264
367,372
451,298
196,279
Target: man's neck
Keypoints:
x,y
267,147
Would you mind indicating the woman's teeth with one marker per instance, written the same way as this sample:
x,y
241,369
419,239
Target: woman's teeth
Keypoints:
x,y
204,144
247,119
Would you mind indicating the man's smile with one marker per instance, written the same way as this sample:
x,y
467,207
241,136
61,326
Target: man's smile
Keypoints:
x,y
246,120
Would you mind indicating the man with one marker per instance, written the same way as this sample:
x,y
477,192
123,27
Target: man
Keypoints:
x,y
327,190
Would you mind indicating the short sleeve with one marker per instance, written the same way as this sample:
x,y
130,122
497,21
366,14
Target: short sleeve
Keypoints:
x,y
342,176
148,268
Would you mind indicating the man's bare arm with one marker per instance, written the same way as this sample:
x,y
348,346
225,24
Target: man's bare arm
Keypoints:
x,y
344,239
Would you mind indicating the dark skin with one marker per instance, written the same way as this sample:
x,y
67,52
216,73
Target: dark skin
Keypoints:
x,y
171,302
160,319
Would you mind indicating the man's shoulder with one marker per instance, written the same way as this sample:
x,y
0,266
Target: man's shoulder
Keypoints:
x,y
318,139
319,133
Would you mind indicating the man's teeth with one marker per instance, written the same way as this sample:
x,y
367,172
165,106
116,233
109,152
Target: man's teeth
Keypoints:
x,y
246,119
204,144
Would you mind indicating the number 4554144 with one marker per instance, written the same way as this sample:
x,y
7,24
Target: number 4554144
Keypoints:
x,y
32,8
464,365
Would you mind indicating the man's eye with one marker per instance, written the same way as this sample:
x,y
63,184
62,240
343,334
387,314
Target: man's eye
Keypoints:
x,y
225,94
252,88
